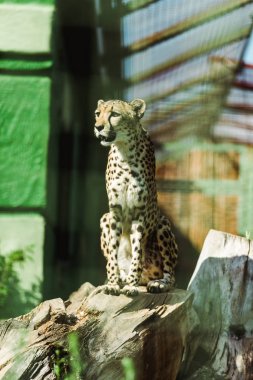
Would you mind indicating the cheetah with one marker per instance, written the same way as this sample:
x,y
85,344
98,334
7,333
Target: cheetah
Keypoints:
x,y
136,239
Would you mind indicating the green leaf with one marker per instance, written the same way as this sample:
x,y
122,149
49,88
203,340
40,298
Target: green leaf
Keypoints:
x,y
129,368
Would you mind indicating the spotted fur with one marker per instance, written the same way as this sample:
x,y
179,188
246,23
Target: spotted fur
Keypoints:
x,y
136,239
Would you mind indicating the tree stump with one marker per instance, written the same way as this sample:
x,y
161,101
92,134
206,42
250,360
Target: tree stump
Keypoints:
x,y
221,347
150,328
212,332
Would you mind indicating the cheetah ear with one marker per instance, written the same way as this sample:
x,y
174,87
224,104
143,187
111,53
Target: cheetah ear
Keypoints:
x,y
139,107
100,102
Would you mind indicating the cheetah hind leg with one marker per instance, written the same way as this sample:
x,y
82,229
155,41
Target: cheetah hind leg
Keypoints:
x,y
161,285
167,247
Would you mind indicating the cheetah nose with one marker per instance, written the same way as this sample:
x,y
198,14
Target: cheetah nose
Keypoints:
x,y
99,128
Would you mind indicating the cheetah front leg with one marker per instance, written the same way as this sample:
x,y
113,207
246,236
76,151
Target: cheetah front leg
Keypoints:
x,y
112,227
133,277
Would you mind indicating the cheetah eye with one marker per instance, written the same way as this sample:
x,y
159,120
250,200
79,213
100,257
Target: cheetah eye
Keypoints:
x,y
97,113
115,114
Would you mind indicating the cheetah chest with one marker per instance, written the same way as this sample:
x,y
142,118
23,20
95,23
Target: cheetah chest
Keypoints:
x,y
128,192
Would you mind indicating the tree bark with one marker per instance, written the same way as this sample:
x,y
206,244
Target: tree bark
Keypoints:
x,y
149,328
221,346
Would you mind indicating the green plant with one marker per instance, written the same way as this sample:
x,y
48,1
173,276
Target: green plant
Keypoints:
x,y
8,275
60,362
129,369
14,299
67,363
75,362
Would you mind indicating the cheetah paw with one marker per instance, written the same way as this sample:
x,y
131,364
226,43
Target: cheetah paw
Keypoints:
x,y
158,286
112,289
130,290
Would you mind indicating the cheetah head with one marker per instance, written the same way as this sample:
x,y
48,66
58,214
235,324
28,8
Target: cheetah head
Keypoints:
x,y
117,121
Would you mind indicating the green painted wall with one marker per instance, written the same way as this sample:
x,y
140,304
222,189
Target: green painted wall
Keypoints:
x,y
25,28
24,107
42,2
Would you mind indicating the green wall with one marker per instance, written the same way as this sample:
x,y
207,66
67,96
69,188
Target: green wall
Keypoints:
x,y
23,140
25,98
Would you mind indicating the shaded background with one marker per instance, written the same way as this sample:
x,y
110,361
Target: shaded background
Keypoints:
x,y
190,61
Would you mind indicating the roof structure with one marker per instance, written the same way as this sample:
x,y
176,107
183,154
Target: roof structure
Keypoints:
x,y
236,120
184,57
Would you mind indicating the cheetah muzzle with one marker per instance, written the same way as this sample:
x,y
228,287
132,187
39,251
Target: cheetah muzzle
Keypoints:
x,y
136,239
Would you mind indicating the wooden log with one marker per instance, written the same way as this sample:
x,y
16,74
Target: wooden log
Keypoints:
x,y
150,328
221,347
